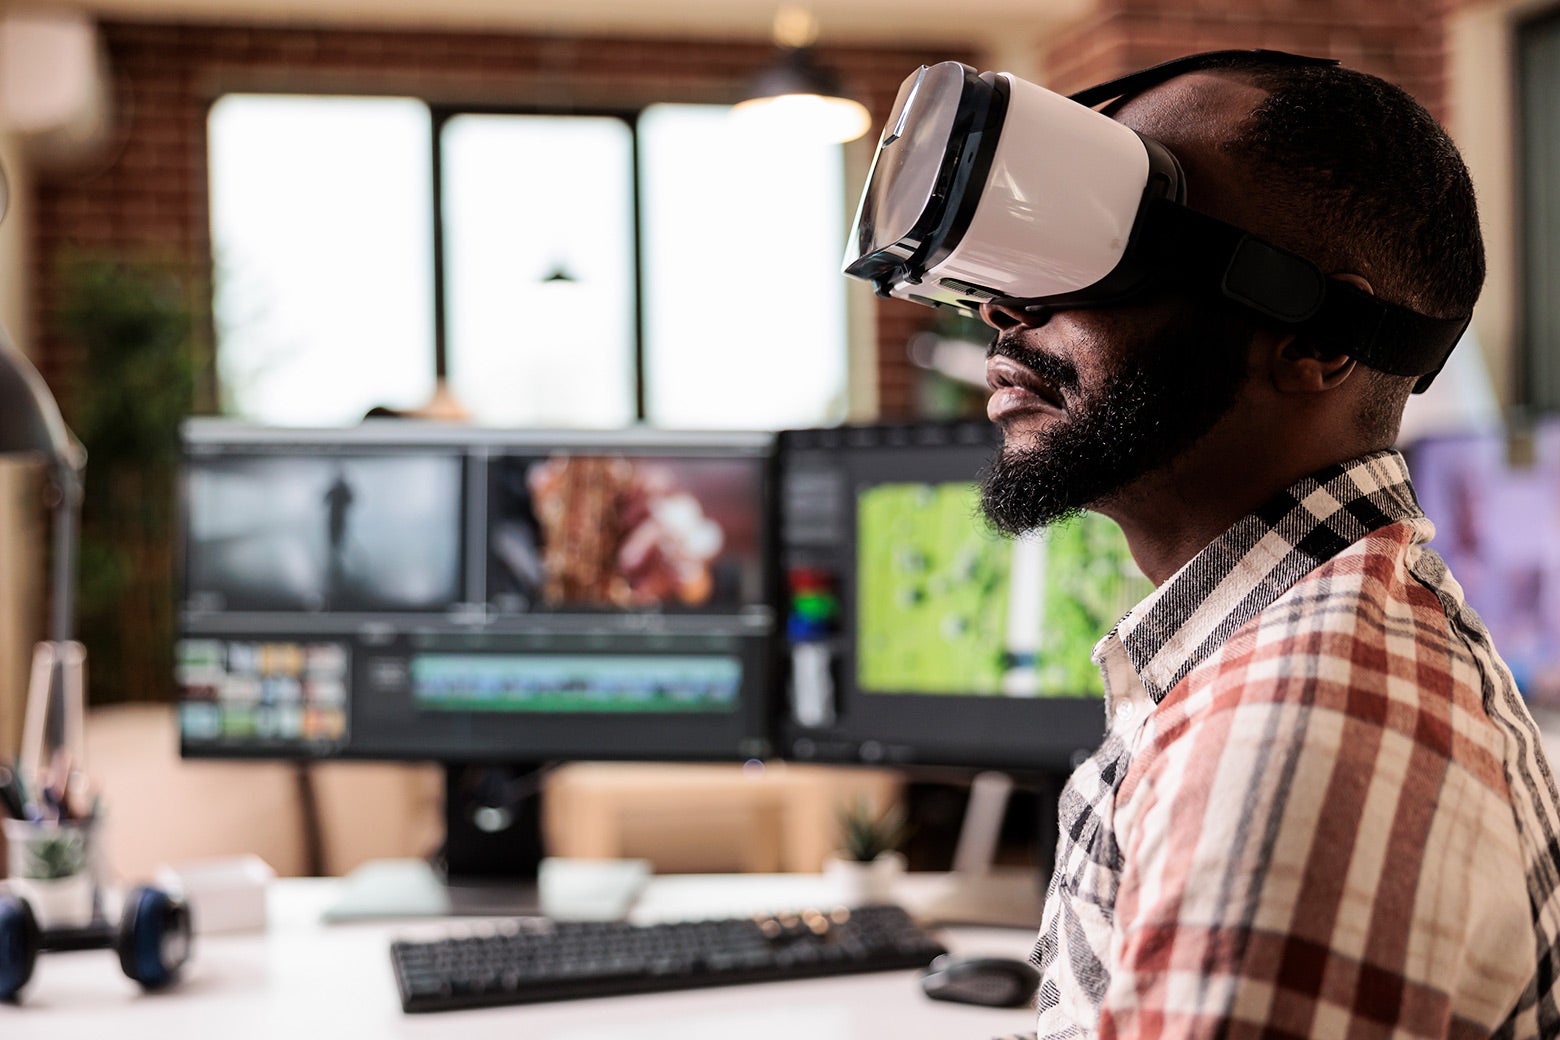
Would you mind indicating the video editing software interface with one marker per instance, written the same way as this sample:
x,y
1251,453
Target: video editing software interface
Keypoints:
x,y
408,591
917,634
403,591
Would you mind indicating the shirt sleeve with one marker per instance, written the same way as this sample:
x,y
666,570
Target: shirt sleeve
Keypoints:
x,y
1298,870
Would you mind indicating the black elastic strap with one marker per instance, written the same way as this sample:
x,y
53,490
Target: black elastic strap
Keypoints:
x,y
1388,337
1134,83
1207,254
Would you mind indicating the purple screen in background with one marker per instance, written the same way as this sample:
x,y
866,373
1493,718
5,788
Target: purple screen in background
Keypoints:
x,y
1498,528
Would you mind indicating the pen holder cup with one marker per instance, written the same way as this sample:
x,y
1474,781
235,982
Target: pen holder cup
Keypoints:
x,y
53,865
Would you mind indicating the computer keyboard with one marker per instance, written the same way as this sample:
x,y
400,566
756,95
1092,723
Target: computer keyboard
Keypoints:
x,y
529,960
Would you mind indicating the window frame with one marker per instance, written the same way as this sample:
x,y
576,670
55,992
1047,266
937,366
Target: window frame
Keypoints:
x,y
1537,317
440,113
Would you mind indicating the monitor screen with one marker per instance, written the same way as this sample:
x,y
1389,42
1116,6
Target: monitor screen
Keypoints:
x,y
1495,503
917,634
407,591
330,531
576,530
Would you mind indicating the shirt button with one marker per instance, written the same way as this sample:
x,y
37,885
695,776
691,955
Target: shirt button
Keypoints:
x,y
1124,710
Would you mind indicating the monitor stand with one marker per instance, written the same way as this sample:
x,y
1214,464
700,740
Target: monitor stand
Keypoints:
x,y
487,865
977,892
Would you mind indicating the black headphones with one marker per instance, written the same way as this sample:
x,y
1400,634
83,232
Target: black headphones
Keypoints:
x,y
152,940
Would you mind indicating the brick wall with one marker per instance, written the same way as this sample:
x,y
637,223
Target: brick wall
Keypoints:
x,y
148,198
1398,40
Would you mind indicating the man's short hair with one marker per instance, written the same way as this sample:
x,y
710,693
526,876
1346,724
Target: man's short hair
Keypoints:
x,y
1358,177
1362,179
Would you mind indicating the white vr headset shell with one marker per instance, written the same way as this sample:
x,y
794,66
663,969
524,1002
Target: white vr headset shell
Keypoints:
x,y
1055,208
988,187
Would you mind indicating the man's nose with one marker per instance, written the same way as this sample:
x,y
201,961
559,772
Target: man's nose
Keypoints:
x,y
1012,314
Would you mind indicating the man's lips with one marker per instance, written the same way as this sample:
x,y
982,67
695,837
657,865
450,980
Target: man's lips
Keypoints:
x,y
1018,388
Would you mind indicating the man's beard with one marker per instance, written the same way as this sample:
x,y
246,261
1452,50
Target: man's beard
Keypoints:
x,y
1145,415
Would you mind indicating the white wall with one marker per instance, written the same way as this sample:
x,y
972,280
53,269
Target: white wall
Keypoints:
x,y
21,550
1483,122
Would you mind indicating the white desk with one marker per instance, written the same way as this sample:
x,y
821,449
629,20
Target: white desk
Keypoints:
x,y
302,979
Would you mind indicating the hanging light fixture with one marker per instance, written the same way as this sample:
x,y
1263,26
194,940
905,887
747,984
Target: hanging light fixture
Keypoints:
x,y
797,96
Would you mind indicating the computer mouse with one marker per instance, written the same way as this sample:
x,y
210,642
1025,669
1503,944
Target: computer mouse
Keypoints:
x,y
992,981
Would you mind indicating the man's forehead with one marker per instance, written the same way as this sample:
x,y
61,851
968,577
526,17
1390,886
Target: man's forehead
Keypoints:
x,y
1194,115
1197,107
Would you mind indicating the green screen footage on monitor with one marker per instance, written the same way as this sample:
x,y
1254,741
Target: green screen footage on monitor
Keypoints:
x,y
948,642
944,605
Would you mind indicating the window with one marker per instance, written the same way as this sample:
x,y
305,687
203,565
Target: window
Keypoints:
x,y
1538,70
321,238
744,300
539,268
591,270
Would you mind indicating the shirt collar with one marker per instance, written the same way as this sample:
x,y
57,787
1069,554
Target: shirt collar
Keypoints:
x,y
1256,561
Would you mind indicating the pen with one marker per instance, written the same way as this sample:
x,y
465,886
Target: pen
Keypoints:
x,y
56,786
53,805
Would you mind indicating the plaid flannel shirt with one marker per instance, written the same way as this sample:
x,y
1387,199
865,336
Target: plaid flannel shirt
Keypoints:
x,y
1321,808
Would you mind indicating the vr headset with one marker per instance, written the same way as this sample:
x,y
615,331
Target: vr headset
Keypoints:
x,y
986,187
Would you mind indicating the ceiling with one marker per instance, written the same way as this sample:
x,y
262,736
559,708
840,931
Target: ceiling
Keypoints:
x,y
996,24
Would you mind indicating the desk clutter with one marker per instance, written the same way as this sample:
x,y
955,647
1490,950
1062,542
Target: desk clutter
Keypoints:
x,y
52,854
55,898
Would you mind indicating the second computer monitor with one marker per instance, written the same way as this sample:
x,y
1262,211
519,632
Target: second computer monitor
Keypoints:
x,y
918,635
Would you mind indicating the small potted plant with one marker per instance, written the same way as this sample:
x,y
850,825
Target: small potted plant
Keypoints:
x,y
51,869
869,861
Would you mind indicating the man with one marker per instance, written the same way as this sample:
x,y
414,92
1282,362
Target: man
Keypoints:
x,y
1321,808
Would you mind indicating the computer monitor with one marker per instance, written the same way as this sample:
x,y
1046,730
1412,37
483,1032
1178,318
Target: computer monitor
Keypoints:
x,y
918,635
1494,498
402,590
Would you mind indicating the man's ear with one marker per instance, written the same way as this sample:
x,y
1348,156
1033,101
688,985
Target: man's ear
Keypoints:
x,y
1300,368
